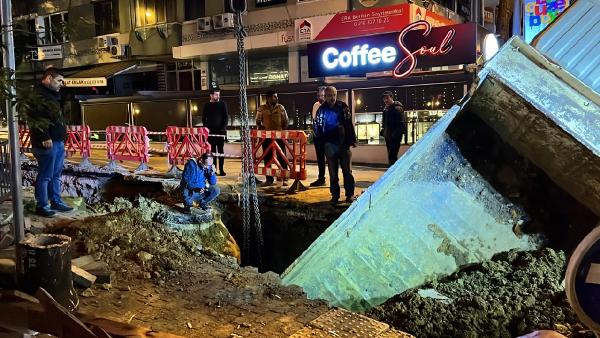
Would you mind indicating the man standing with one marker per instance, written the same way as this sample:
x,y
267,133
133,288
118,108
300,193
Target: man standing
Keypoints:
x,y
333,124
394,125
272,116
215,117
48,133
199,182
319,146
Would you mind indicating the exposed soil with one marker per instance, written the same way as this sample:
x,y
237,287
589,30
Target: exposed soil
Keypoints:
x,y
513,294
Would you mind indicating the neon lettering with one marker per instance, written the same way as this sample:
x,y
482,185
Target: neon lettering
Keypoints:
x,y
357,55
331,51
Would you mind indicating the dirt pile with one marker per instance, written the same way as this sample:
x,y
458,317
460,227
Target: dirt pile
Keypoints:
x,y
512,294
133,233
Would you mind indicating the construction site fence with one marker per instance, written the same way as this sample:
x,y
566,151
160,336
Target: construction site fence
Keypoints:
x,y
283,158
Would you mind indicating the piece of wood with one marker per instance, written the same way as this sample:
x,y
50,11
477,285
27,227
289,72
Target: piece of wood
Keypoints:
x,y
82,277
67,325
118,329
82,261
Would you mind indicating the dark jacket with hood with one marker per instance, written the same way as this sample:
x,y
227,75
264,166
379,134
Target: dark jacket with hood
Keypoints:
x,y
394,121
50,110
215,117
334,124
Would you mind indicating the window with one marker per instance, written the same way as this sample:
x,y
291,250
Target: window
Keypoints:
x,y
184,75
106,17
194,9
55,28
268,71
154,12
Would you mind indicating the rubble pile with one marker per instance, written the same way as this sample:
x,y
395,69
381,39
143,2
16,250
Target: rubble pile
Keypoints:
x,y
139,233
512,294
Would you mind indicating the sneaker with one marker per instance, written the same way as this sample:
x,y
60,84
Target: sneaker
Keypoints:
x,y
267,183
335,200
206,207
44,212
187,209
318,183
257,181
350,199
60,207
222,173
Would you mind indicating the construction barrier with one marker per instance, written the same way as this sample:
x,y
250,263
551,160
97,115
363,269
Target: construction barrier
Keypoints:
x,y
184,143
127,144
24,141
78,141
273,161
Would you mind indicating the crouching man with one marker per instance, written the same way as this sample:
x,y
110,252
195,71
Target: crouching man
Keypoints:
x,y
199,182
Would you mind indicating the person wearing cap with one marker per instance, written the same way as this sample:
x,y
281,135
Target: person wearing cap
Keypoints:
x,y
394,125
199,182
215,117
318,142
273,116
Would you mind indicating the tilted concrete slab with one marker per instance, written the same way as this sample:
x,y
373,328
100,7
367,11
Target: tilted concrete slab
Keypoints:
x,y
432,212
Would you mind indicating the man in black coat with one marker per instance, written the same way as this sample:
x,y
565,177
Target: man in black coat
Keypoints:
x,y
48,132
215,117
394,125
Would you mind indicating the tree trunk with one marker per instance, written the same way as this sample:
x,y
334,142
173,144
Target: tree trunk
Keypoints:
x,y
505,12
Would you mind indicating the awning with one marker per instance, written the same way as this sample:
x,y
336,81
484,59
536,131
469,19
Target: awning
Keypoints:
x,y
98,75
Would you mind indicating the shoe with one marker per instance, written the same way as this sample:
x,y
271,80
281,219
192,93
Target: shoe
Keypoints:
x,y
285,183
205,207
267,183
350,199
60,207
222,173
187,209
44,212
335,200
318,183
257,181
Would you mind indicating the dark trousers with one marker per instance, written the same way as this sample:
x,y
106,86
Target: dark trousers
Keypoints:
x,y
404,134
320,152
339,157
50,165
393,146
280,158
201,197
217,145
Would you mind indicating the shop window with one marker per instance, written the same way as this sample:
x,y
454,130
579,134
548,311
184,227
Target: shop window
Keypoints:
x,y
268,71
194,9
154,12
106,16
225,71
55,28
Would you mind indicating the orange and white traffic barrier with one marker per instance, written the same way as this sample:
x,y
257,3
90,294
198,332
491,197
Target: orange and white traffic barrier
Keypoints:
x,y
273,161
184,143
78,141
127,143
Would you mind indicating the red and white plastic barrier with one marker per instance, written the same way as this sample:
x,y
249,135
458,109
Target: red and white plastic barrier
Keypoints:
x,y
184,143
294,158
127,144
78,141
24,141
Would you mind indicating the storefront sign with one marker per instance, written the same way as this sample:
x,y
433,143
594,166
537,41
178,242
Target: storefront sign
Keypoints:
x,y
267,3
417,45
378,20
269,77
48,53
285,38
304,29
85,82
539,14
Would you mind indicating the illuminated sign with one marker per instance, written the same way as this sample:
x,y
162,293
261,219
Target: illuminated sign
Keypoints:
x,y
85,82
539,14
266,3
417,45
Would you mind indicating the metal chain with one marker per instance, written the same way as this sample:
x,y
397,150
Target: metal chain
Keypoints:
x,y
249,196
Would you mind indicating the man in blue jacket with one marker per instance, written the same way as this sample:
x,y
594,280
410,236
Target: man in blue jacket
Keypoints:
x,y
333,125
199,182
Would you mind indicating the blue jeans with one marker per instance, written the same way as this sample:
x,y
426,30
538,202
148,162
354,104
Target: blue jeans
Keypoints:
x,y
50,165
202,198
339,157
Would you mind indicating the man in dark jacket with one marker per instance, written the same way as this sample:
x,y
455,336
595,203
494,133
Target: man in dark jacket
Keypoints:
x,y
215,117
48,133
333,124
199,182
394,125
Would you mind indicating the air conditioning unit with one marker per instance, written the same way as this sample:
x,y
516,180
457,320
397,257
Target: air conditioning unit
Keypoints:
x,y
223,21
119,50
204,24
40,30
112,40
102,42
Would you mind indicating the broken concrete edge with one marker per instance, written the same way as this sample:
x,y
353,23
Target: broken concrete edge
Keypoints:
x,y
82,277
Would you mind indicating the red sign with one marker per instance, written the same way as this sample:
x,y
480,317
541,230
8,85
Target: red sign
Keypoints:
x,y
378,20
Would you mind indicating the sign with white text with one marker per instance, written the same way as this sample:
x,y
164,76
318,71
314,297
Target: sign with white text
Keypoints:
x,y
417,45
85,82
48,53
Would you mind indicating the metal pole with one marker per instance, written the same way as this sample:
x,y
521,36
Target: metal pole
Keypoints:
x,y
13,131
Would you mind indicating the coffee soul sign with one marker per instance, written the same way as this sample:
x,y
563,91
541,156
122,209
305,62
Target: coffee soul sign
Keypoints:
x,y
418,45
